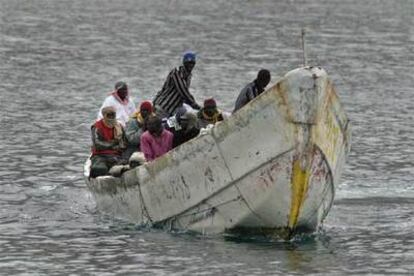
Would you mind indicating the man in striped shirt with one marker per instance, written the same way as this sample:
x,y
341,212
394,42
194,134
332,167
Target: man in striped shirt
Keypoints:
x,y
175,90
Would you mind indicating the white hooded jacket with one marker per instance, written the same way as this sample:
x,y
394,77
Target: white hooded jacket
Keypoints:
x,y
124,109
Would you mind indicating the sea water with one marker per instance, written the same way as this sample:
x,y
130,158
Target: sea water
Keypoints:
x,y
59,59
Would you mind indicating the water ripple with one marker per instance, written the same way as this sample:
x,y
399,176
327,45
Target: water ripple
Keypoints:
x,y
60,60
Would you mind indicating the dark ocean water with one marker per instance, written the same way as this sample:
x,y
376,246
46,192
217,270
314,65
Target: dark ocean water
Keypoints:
x,y
59,59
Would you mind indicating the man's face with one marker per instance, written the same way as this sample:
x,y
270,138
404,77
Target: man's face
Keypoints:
x,y
210,110
122,93
189,65
154,127
110,118
263,81
110,115
184,123
145,113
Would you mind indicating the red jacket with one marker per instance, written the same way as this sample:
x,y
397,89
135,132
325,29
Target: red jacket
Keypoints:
x,y
103,140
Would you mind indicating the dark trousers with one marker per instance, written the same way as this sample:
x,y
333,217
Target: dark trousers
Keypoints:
x,y
101,164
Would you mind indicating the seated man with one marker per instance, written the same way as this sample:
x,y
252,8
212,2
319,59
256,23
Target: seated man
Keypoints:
x,y
156,140
183,125
108,141
136,126
121,101
209,114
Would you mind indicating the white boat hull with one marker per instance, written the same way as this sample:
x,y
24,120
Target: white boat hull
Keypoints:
x,y
271,167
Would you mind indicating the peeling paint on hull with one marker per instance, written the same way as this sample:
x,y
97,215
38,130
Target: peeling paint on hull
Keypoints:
x,y
271,167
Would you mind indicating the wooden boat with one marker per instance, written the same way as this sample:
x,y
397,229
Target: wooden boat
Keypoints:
x,y
271,167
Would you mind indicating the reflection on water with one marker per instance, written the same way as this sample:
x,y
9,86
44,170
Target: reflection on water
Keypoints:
x,y
59,59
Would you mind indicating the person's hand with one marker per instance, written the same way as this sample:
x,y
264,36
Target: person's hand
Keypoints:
x,y
115,142
196,106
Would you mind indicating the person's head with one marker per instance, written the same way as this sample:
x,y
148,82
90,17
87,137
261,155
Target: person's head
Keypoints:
x,y
121,89
210,107
154,125
179,113
263,78
188,121
189,61
109,115
146,109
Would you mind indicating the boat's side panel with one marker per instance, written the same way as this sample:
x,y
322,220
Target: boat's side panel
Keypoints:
x,y
260,199
114,197
267,192
235,148
263,199
330,139
332,133
215,214
319,194
254,135
183,178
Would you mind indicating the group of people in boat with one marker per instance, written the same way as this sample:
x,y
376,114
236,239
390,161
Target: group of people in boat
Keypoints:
x,y
126,134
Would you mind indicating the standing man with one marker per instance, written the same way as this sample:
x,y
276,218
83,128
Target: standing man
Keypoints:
x,y
253,89
175,90
120,100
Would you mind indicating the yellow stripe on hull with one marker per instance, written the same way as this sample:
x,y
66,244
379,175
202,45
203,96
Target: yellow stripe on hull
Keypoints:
x,y
300,179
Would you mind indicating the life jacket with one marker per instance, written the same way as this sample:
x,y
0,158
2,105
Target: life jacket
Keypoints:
x,y
107,134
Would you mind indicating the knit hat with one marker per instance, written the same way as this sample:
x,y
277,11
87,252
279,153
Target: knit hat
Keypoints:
x,y
210,102
179,113
146,105
189,56
120,85
191,120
